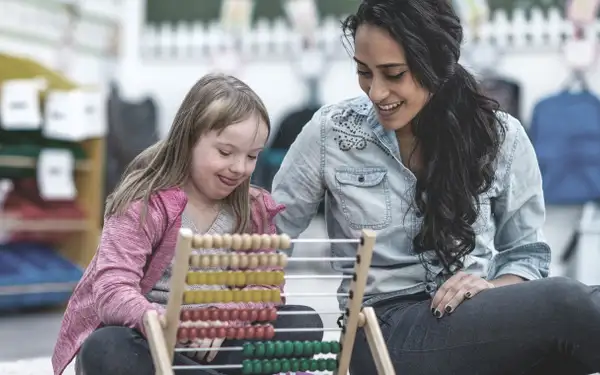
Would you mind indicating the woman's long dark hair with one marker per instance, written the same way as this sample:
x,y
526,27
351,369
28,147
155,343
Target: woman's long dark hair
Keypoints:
x,y
457,132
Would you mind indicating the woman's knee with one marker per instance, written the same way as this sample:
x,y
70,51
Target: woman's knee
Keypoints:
x,y
306,318
115,350
567,296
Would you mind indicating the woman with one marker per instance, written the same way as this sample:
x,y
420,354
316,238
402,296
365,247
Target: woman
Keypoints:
x,y
452,187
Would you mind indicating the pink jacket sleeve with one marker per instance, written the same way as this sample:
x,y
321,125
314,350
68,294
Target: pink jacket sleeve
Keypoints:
x,y
125,248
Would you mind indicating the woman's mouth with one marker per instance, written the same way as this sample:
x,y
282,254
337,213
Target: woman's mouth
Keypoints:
x,y
389,109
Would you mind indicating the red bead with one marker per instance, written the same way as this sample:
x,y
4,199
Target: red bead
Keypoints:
x,y
202,333
195,315
193,333
259,332
263,315
204,315
231,333
214,314
234,314
224,315
272,314
244,315
269,332
212,333
250,333
240,333
185,315
253,315
182,334
222,332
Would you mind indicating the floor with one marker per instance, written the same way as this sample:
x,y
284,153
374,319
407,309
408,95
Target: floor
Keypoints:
x,y
28,338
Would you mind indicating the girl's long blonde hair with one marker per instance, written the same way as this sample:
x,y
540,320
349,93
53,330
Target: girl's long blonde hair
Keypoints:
x,y
213,103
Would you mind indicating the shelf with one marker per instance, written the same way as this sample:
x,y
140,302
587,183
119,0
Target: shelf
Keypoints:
x,y
30,162
12,224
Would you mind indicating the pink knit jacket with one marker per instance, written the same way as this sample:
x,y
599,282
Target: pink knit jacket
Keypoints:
x,y
129,261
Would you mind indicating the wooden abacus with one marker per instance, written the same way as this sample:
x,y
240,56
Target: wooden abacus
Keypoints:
x,y
163,332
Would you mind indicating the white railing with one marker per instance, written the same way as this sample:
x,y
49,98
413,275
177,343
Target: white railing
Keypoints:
x,y
197,41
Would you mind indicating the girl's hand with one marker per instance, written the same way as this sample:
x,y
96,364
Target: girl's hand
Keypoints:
x,y
455,290
214,344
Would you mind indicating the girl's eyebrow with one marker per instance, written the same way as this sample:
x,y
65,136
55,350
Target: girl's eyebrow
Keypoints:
x,y
237,148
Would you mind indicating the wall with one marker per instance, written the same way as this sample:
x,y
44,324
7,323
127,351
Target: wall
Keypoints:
x,y
172,57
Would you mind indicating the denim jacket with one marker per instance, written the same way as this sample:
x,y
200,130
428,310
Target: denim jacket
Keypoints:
x,y
343,155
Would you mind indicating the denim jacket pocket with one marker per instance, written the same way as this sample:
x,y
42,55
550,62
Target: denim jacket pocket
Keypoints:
x,y
364,197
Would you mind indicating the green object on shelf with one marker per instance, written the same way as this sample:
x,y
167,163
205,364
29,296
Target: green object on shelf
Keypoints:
x,y
248,349
247,367
325,347
288,348
277,368
335,347
267,366
331,364
257,366
298,348
269,349
286,366
259,350
308,349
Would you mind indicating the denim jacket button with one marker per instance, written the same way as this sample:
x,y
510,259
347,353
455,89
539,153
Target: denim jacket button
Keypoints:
x,y
361,178
429,288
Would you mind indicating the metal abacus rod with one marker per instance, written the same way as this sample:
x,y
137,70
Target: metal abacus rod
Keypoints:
x,y
162,333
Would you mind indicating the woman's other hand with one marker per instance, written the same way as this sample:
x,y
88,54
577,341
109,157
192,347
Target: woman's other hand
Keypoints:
x,y
455,290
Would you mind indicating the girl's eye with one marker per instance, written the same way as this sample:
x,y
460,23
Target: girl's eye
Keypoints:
x,y
252,157
224,153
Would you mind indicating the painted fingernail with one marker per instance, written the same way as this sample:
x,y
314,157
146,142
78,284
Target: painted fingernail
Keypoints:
x,y
437,314
468,295
448,309
432,311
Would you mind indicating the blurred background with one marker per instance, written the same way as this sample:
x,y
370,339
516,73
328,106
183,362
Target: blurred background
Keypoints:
x,y
86,85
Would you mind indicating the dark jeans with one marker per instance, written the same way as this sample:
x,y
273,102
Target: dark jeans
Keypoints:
x,y
543,327
115,350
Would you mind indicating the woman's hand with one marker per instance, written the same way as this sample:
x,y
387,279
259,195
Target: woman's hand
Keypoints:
x,y
455,290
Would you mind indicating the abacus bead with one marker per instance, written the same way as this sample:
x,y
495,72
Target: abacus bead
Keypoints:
x,y
253,261
283,260
331,364
272,314
231,333
262,315
304,364
257,295
240,333
211,278
217,241
227,296
188,297
243,261
267,367
249,333
211,333
284,241
326,347
234,263
266,295
237,295
317,347
259,349
313,365
276,366
240,279
298,348
256,242
191,278
288,348
225,260
308,350
286,366
322,364
207,241
224,315
199,296
253,315
263,260
202,333
247,368
201,277
273,260
234,314
257,366
222,278
269,332
193,333
335,347
246,241
195,260
244,315
251,277
265,241
276,295
236,242
227,240
214,314
294,365
221,332
275,241
279,352
215,260
205,261
269,349
196,315
182,334
259,332
248,349
185,315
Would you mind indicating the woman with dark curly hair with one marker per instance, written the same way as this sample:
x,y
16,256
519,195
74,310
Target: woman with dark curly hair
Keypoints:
x,y
452,187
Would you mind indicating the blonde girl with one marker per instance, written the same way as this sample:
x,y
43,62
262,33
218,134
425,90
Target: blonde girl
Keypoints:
x,y
198,178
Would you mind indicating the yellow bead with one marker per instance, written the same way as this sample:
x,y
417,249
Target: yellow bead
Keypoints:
x,y
191,278
201,278
211,278
218,296
227,296
240,279
261,278
276,295
251,277
280,277
237,295
266,295
188,297
258,295
269,278
199,296
222,278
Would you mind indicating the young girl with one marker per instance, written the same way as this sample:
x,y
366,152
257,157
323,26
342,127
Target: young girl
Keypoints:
x,y
198,177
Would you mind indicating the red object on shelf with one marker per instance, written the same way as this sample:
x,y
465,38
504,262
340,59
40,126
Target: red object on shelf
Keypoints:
x,y
23,202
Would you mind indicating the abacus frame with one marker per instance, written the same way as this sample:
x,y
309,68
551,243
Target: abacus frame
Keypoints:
x,y
161,332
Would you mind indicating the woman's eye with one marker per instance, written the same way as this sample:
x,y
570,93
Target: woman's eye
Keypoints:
x,y
363,73
224,153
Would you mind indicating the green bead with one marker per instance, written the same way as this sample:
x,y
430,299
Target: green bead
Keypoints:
x,y
285,365
269,349
336,347
267,367
295,365
298,348
314,365
279,349
331,364
256,366
247,367
288,348
322,364
325,347
259,349
248,349
317,347
276,363
304,364
308,349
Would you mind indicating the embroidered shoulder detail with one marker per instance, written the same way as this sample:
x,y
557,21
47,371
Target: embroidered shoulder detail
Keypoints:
x,y
351,132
